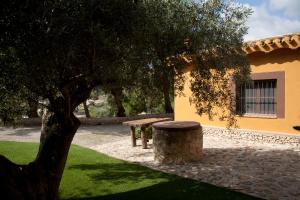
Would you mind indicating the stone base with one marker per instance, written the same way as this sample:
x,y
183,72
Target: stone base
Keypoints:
x,y
251,135
173,143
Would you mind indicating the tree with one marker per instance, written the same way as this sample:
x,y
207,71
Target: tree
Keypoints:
x,y
32,108
12,107
86,110
117,93
122,79
62,49
127,81
171,24
12,98
127,77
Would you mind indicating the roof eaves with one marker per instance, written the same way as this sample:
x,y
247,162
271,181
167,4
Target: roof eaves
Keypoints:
x,y
291,41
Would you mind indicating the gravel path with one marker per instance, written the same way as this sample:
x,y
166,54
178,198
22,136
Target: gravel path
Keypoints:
x,y
270,171
86,136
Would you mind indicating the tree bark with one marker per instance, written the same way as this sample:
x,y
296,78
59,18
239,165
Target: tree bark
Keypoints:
x,y
33,107
86,110
168,105
118,97
40,179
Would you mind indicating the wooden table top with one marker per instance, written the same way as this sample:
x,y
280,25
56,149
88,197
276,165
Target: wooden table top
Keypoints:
x,y
145,122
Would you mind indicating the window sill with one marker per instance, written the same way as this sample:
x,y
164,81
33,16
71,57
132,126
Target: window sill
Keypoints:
x,y
265,116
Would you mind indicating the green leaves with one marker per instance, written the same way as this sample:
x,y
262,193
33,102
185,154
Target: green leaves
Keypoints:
x,y
65,48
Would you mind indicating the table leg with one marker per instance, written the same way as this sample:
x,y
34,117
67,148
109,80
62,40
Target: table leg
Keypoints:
x,y
143,137
133,138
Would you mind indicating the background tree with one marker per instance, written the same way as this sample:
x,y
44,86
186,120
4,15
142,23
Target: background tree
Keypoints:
x,y
170,26
86,110
62,49
12,107
133,91
32,108
125,77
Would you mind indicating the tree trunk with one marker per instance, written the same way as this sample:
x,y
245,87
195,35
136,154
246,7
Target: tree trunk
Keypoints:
x,y
86,110
40,179
33,107
118,97
168,105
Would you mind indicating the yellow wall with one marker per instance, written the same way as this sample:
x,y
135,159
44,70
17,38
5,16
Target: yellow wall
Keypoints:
x,y
279,60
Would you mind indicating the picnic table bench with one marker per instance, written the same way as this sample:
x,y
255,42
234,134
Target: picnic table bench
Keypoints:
x,y
143,124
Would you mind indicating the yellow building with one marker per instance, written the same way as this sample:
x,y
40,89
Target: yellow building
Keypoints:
x,y
271,104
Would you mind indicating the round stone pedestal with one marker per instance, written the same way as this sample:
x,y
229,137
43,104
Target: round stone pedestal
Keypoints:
x,y
177,141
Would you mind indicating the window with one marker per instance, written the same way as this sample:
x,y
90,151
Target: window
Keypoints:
x,y
257,97
264,96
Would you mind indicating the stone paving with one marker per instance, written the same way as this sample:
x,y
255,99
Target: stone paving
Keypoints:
x,y
270,171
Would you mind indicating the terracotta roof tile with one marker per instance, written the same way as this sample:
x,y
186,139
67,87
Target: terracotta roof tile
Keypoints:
x,y
291,41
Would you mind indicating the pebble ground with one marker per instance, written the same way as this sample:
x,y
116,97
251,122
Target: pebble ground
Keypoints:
x,y
269,171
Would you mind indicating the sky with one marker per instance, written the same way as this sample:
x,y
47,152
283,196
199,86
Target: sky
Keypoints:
x,y
272,17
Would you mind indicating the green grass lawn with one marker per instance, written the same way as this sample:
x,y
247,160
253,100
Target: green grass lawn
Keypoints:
x,y
91,175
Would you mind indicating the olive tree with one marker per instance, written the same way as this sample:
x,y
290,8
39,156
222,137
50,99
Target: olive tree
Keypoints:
x,y
62,49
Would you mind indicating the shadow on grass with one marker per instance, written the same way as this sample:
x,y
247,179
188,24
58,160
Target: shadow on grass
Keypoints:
x,y
120,172
172,186
175,190
241,167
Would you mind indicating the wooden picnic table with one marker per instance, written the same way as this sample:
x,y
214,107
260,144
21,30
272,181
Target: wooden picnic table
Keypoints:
x,y
143,124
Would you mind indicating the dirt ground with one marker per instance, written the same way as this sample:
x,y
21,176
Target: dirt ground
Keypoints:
x,y
86,136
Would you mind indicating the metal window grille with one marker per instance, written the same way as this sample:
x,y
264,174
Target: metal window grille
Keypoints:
x,y
257,97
